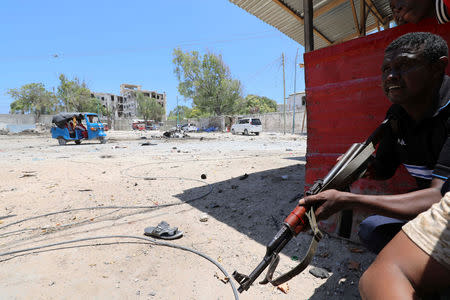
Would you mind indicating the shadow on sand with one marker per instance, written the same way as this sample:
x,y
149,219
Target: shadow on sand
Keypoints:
x,y
256,206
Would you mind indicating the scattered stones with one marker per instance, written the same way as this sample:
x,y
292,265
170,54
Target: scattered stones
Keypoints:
x,y
204,218
319,272
245,176
353,265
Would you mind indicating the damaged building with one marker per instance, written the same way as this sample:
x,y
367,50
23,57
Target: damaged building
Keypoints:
x,y
125,105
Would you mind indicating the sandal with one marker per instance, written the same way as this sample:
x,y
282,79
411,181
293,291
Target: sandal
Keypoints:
x,y
163,231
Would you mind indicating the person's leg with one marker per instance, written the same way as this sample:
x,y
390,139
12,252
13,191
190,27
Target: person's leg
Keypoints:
x,y
376,231
400,271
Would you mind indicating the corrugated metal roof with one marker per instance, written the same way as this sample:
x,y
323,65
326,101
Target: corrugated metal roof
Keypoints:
x,y
333,19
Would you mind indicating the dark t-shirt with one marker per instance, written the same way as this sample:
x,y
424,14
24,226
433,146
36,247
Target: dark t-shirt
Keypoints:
x,y
422,147
442,11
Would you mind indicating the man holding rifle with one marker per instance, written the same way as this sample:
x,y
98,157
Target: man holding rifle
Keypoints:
x,y
414,80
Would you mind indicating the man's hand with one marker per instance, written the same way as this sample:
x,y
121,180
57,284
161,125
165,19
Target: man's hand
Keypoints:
x,y
328,202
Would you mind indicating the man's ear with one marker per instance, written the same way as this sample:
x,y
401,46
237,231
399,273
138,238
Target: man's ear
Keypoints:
x,y
444,60
440,65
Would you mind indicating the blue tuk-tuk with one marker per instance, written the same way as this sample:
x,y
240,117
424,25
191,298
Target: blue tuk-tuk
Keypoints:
x,y
76,127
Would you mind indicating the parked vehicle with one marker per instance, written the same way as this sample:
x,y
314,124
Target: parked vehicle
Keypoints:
x,y
189,127
247,126
76,127
152,127
138,125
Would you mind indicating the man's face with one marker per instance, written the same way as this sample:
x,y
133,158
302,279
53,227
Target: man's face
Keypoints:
x,y
407,77
410,11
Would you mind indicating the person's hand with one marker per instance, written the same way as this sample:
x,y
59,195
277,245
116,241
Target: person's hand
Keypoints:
x,y
328,203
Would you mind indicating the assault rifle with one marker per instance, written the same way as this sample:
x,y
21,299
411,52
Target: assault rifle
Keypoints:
x,y
348,169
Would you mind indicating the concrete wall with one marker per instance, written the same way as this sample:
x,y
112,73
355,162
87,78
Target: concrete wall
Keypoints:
x,y
19,119
272,122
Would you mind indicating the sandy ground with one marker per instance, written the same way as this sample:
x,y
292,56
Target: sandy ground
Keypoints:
x,y
51,194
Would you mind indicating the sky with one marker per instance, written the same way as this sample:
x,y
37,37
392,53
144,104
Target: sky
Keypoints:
x,y
107,43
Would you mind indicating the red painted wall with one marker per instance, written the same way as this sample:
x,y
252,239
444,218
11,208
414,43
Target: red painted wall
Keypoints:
x,y
345,102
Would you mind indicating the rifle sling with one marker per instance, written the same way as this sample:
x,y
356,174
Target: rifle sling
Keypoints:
x,y
354,167
317,236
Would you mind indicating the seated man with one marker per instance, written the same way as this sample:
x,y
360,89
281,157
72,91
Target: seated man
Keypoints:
x,y
414,80
417,261
70,128
82,129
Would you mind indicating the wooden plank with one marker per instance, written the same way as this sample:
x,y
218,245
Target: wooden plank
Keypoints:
x,y
302,21
355,17
327,7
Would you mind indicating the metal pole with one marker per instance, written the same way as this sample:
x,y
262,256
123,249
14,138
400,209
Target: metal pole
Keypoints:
x,y
309,38
295,89
284,97
178,111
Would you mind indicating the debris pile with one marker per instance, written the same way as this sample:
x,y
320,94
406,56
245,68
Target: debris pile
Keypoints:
x,y
175,133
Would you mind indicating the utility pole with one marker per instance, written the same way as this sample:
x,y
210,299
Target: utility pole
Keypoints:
x,y
178,111
284,96
295,90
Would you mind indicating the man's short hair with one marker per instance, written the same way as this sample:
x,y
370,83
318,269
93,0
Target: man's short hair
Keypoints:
x,y
434,46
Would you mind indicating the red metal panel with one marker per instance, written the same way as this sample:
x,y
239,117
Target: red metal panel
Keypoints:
x,y
345,102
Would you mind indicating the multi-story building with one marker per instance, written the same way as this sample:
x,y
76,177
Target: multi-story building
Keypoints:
x,y
129,91
125,105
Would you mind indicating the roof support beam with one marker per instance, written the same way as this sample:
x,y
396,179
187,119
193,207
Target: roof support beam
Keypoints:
x,y
362,18
327,7
375,11
355,17
301,20
353,35
308,28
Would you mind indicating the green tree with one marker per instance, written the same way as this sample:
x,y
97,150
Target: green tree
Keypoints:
x,y
33,98
149,108
253,104
76,96
183,112
207,82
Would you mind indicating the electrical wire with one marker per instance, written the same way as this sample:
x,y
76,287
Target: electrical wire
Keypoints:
x,y
151,241
119,207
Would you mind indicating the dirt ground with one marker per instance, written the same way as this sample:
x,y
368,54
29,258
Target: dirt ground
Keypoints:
x,y
52,194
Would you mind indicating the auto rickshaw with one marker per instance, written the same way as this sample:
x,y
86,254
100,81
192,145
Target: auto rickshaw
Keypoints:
x,y
76,127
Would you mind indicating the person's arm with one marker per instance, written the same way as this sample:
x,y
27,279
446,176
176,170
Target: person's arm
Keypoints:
x,y
405,269
402,206
416,260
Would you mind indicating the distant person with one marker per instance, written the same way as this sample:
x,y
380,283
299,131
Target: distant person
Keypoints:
x,y
82,129
412,11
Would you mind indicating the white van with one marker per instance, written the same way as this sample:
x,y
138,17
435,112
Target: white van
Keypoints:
x,y
247,126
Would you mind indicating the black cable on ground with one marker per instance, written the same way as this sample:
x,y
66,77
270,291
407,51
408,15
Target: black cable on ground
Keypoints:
x,y
149,240
119,207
